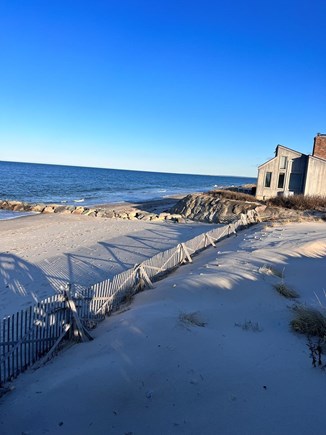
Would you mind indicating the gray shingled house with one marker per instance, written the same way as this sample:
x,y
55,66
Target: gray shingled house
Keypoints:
x,y
291,172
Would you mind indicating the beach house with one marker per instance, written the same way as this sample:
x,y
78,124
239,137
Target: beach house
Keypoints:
x,y
291,172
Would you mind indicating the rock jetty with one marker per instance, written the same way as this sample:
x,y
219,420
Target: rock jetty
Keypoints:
x,y
110,212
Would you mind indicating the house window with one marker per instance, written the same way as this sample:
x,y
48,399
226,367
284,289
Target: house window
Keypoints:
x,y
283,162
268,179
280,184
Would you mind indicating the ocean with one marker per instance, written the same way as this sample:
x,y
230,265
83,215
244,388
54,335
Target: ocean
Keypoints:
x,y
73,185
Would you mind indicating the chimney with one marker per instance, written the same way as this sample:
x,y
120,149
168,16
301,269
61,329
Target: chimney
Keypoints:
x,y
320,146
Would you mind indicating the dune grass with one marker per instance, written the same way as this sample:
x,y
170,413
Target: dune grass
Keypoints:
x,y
229,194
309,321
300,202
191,319
267,269
285,291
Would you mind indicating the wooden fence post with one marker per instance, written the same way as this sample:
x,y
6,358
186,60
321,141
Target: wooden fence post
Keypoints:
x,y
209,240
185,252
77,327
142,277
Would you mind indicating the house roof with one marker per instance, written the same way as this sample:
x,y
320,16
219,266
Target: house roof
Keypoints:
x,y
288,149
276,154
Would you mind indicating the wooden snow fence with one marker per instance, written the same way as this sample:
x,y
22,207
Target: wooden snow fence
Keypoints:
x,y
34,335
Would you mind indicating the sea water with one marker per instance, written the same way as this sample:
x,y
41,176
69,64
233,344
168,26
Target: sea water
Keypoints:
x,y
73,185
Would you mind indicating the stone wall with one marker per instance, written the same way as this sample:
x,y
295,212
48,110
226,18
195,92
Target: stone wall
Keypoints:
x,y
98,212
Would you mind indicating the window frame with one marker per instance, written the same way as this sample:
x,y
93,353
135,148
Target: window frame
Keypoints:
x,y
284,160
281,174
268,179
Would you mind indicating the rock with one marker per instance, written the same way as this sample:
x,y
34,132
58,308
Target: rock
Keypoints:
x,y
49,209
123,215
211,208
148,217
68,210
79,210
102,213
59,208
38,208
91,212
133,215
18,207
110,214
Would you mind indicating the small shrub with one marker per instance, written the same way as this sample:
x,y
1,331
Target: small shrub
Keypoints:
x,y
300,202
229,194
269,270
315,351
191,319
309,321
248,325
285,291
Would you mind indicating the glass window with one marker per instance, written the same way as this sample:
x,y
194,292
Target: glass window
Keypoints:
x,y
280,184
268,179
283,162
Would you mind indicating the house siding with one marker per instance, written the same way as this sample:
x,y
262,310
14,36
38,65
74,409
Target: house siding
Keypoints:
x,y
294,174
316,177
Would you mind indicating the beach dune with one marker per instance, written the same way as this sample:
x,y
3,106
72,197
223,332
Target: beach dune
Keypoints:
x,y
208,351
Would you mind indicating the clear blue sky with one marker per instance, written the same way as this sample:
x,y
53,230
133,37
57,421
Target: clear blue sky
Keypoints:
x,y
203,86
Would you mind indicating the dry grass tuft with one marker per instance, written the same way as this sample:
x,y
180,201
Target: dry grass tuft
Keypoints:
x,y
191,319
248,325
229,194
300,202
285,291
309,321
269,270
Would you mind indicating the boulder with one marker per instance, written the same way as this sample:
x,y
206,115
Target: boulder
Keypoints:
x,y
79,210
49,209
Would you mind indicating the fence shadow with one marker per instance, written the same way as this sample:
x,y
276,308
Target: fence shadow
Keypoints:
x,y
20,282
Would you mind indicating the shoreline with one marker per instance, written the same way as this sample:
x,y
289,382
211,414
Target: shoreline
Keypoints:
x,y
101,210
40,253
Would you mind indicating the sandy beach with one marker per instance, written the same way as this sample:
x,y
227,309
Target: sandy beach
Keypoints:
x,y
208,351
40,253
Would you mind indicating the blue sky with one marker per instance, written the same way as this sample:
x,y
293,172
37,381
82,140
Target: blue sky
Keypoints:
x,y
207,87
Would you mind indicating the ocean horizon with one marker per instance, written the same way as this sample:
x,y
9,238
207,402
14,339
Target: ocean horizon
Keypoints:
x,y
47,183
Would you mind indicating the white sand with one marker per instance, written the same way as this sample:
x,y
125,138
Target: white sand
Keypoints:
x,y
147,372
39,254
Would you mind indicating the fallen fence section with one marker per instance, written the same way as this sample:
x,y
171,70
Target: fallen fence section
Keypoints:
x,y
34,335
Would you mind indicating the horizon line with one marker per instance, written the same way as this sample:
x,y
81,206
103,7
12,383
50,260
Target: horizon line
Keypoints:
x,y
130,170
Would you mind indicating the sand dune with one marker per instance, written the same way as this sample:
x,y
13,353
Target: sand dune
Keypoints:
x,y
208,351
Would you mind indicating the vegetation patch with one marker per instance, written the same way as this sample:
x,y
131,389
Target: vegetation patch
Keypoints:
x,y
300,202
191,319
270,270
309,321
229,194
286,291
248,325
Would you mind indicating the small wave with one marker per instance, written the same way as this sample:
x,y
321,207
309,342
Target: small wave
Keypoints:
x,y
63,202
162,190
79,200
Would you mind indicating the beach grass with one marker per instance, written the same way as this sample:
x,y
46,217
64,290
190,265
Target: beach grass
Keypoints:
x,y
309,321
286,291
191,319
300,202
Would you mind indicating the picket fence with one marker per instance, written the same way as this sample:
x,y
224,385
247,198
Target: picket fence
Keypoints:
x,y
32,336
